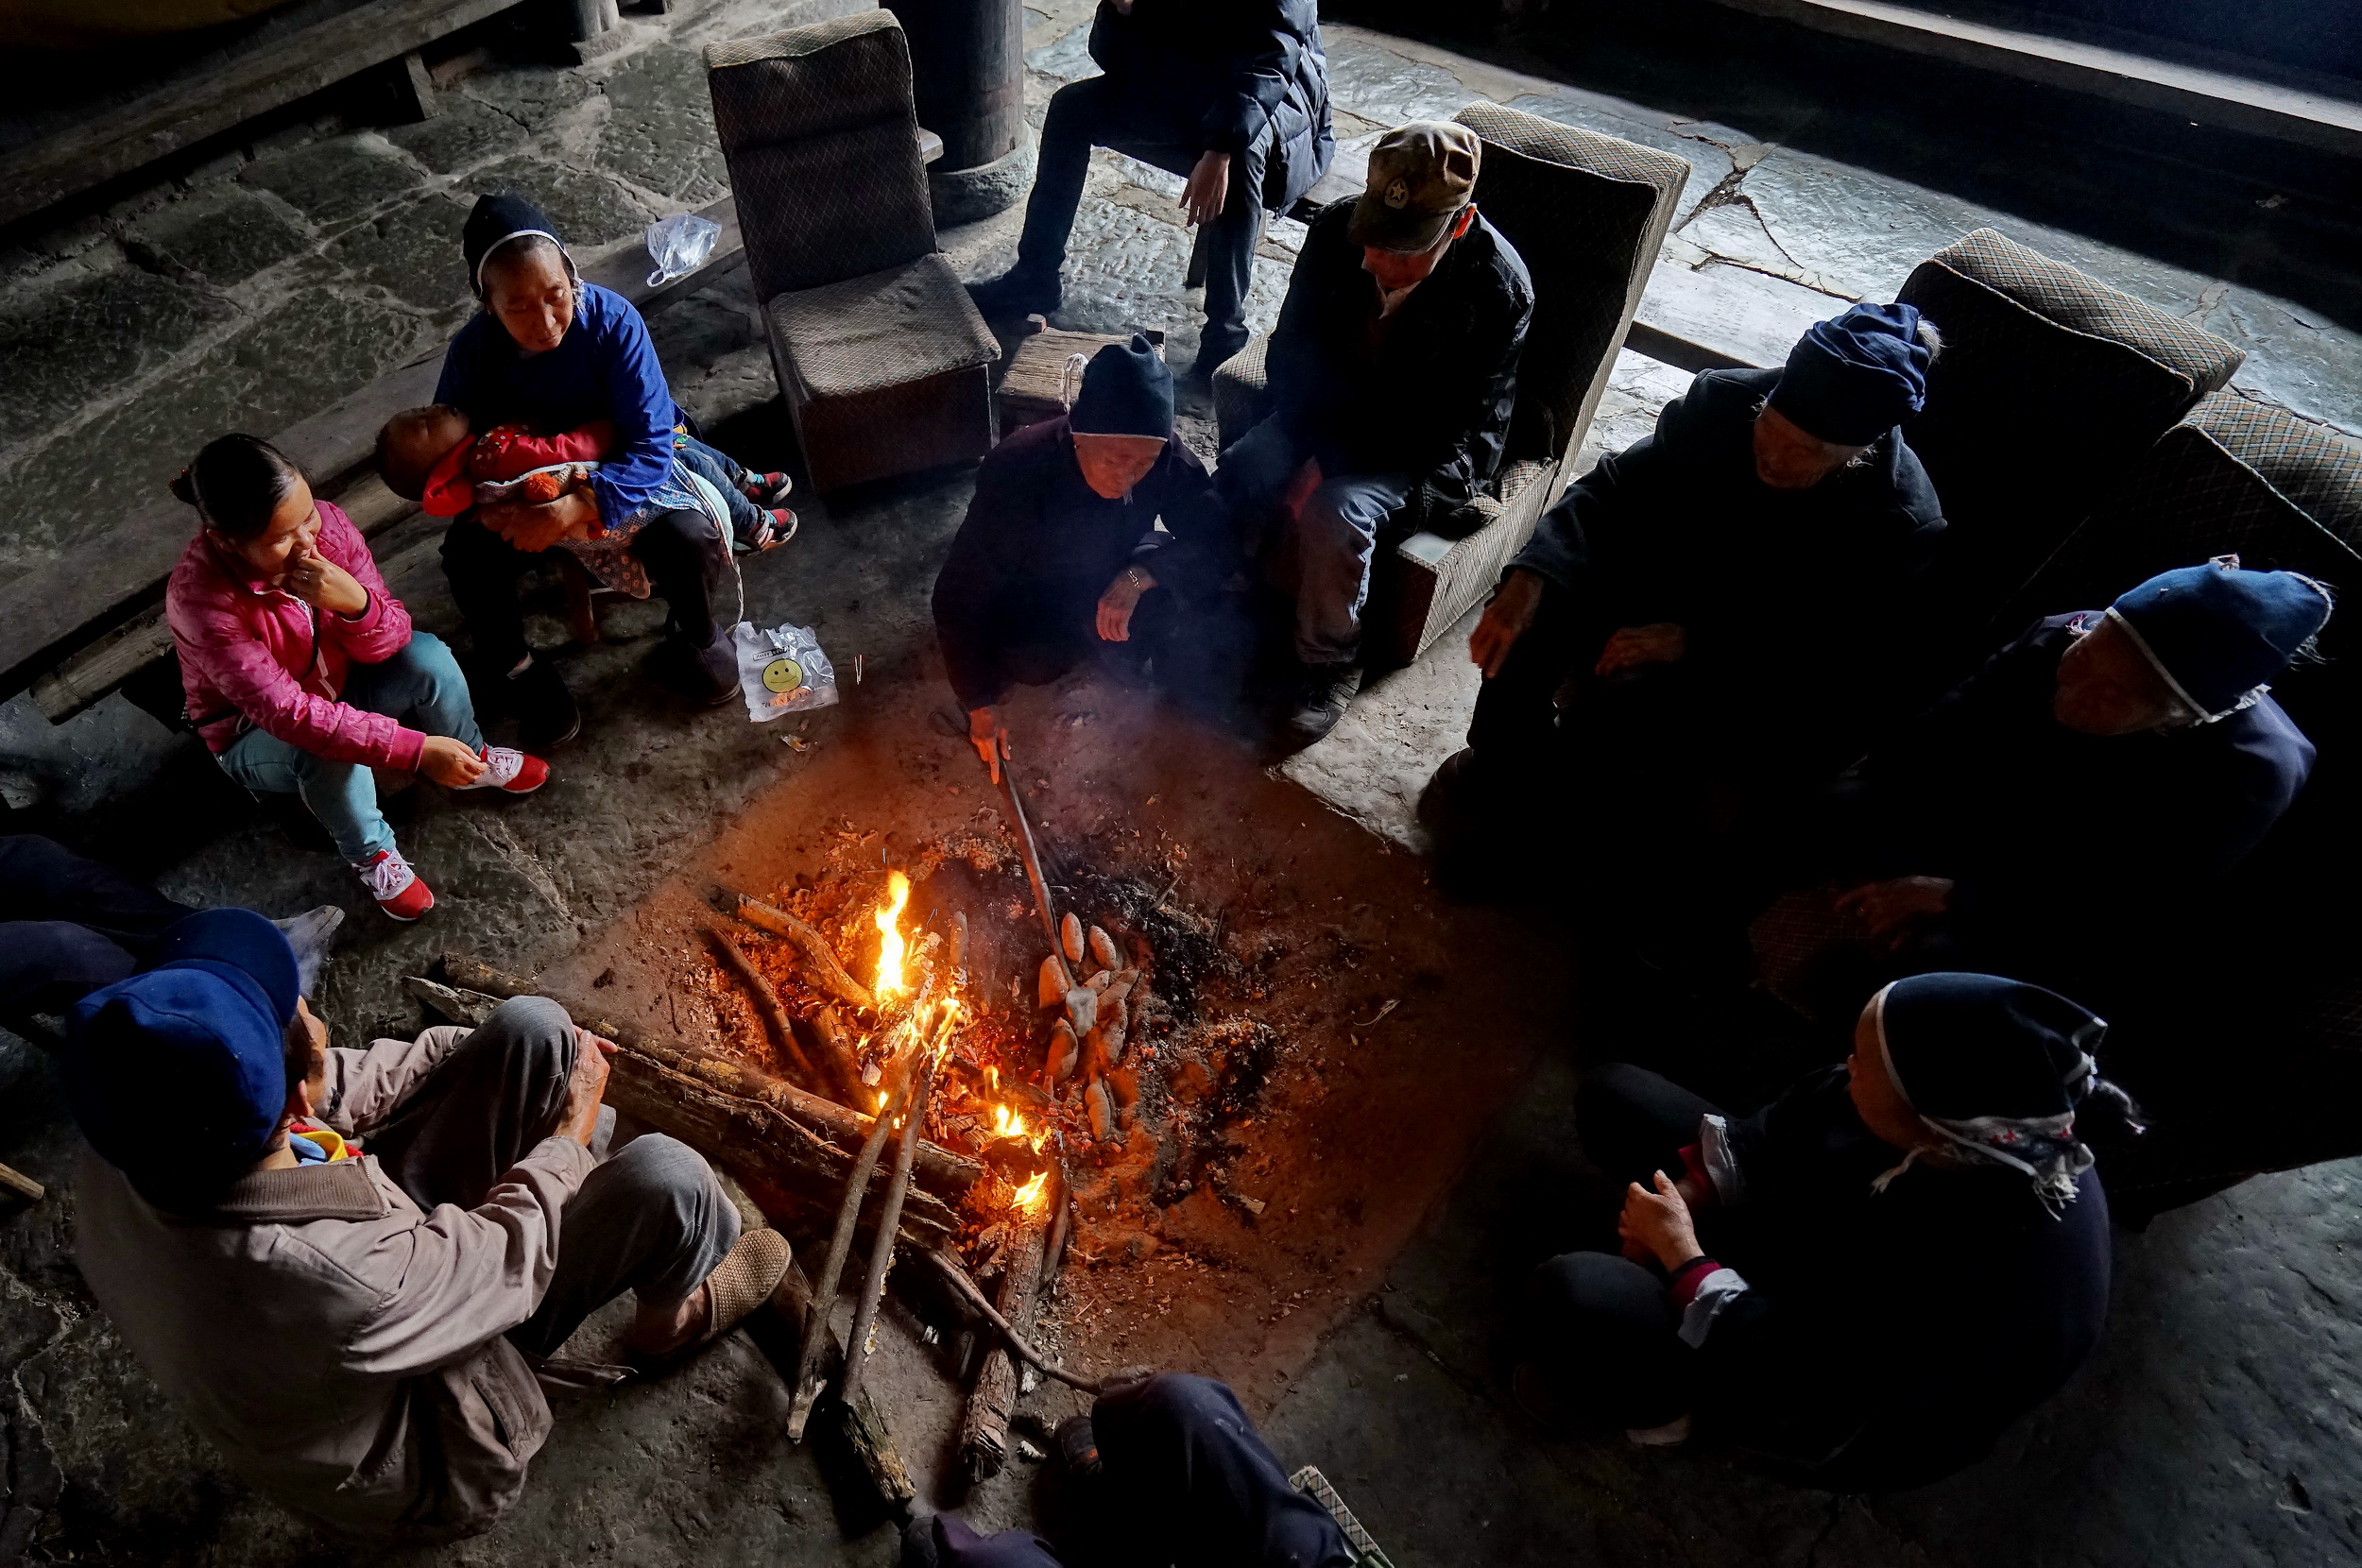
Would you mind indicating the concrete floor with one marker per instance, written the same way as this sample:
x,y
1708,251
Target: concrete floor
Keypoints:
x,y
2216,1425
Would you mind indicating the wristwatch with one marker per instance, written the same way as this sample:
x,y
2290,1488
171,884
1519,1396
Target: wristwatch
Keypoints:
x,y
1138,578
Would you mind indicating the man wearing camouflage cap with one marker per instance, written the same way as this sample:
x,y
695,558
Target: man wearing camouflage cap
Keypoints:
x,y
1393,370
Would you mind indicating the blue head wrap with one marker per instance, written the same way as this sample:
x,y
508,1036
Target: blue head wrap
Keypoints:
x,y
1126,391
1850,379
177,1074
2216,633
1994,1068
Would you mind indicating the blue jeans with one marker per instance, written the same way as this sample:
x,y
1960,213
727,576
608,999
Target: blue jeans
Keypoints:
x,y
725,475
1322,556
421,686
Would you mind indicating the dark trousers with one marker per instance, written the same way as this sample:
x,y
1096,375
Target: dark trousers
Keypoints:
x,y
1599,1325
1188,1482
1112,111
651,1219
684,554
69,924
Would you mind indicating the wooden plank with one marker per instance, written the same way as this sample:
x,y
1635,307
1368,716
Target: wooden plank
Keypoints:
x,y
185,112
2210,97
48,616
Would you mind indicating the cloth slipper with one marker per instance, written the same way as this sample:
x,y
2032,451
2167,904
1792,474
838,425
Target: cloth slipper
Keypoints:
x,y
739,1284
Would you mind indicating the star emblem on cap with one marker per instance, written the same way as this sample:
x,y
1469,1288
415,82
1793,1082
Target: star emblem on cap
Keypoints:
x,y
1399,193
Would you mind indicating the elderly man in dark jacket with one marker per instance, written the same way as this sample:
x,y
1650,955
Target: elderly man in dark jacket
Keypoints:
x,y
1710,587
1393,370
1059,556
2131,755
1231,93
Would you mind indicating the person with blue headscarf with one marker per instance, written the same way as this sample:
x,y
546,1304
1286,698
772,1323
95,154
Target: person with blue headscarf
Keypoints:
x,y
365,1333
1707,588
2133,753
1868,1280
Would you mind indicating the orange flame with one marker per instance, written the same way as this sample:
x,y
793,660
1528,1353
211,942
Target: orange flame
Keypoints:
x,y
890,981
1006,1123
1029,1193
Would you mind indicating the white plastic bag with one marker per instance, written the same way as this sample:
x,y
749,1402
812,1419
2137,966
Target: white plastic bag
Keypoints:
x,y
679,245
781,670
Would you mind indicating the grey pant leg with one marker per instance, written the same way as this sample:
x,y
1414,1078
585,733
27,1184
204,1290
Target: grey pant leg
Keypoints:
x,y
652,1220
499,1093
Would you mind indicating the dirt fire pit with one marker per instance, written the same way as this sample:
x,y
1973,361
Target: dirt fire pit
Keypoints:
x,y
1316,1042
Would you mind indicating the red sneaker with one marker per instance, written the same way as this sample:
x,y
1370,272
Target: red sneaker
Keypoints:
x,y
401,892
510,770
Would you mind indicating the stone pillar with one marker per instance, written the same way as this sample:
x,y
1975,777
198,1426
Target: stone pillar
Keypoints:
x,y
967,61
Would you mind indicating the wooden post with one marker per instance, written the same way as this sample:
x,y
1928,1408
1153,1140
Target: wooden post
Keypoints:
x,y
414,89
984,1429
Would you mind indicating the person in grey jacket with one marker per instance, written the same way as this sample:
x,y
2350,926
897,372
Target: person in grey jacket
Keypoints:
x,y
1232,94
365,1336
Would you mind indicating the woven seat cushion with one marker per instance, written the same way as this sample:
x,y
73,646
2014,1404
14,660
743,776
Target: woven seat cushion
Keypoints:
x,y
882,330
2051,384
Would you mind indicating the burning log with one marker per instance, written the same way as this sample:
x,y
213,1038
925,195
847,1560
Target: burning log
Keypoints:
x,y
860,1421
985,1428
890,1212
970,1293
767,1003
805,1391
819,959
843,1127
838,1048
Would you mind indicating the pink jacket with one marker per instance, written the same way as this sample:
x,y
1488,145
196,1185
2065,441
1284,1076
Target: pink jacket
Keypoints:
x,y
252,655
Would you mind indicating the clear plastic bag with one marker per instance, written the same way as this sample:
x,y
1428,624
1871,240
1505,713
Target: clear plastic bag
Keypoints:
x,y
679,245
781,670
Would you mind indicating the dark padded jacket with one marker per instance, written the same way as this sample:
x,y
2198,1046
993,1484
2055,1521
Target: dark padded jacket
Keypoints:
x,y
1799,601
1434,400
1039,546
1239,68
1887,1338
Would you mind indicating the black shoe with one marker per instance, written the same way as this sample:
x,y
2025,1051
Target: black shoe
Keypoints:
x,y
919,1544
1078,1448
1016,293
1322,697
545,712
1213,352
707,674
1454,799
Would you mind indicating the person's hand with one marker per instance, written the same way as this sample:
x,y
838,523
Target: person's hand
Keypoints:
x,y
1657,1222
451,763
1629,647
987,734
579,1120
536,528
322,584
1117,603
1209,189
1900,908
1506,617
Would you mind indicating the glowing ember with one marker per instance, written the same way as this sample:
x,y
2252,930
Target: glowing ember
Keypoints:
x,y
1006,1123
1029,1193
890,981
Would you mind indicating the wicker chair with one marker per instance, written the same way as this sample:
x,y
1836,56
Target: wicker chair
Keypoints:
x,y
1587,212
884,363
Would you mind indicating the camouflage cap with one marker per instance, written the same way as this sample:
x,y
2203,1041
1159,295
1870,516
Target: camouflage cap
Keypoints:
x,y
1422,175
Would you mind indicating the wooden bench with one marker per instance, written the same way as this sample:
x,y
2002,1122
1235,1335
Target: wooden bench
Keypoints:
x,y
104,113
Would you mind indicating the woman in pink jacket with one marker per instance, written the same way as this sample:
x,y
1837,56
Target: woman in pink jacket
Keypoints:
x,y
303,673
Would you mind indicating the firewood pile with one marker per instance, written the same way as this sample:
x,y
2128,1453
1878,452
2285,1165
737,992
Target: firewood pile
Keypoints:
x,y
906,1051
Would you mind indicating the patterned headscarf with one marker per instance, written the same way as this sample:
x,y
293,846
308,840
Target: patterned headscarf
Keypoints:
x,y
1996,1070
